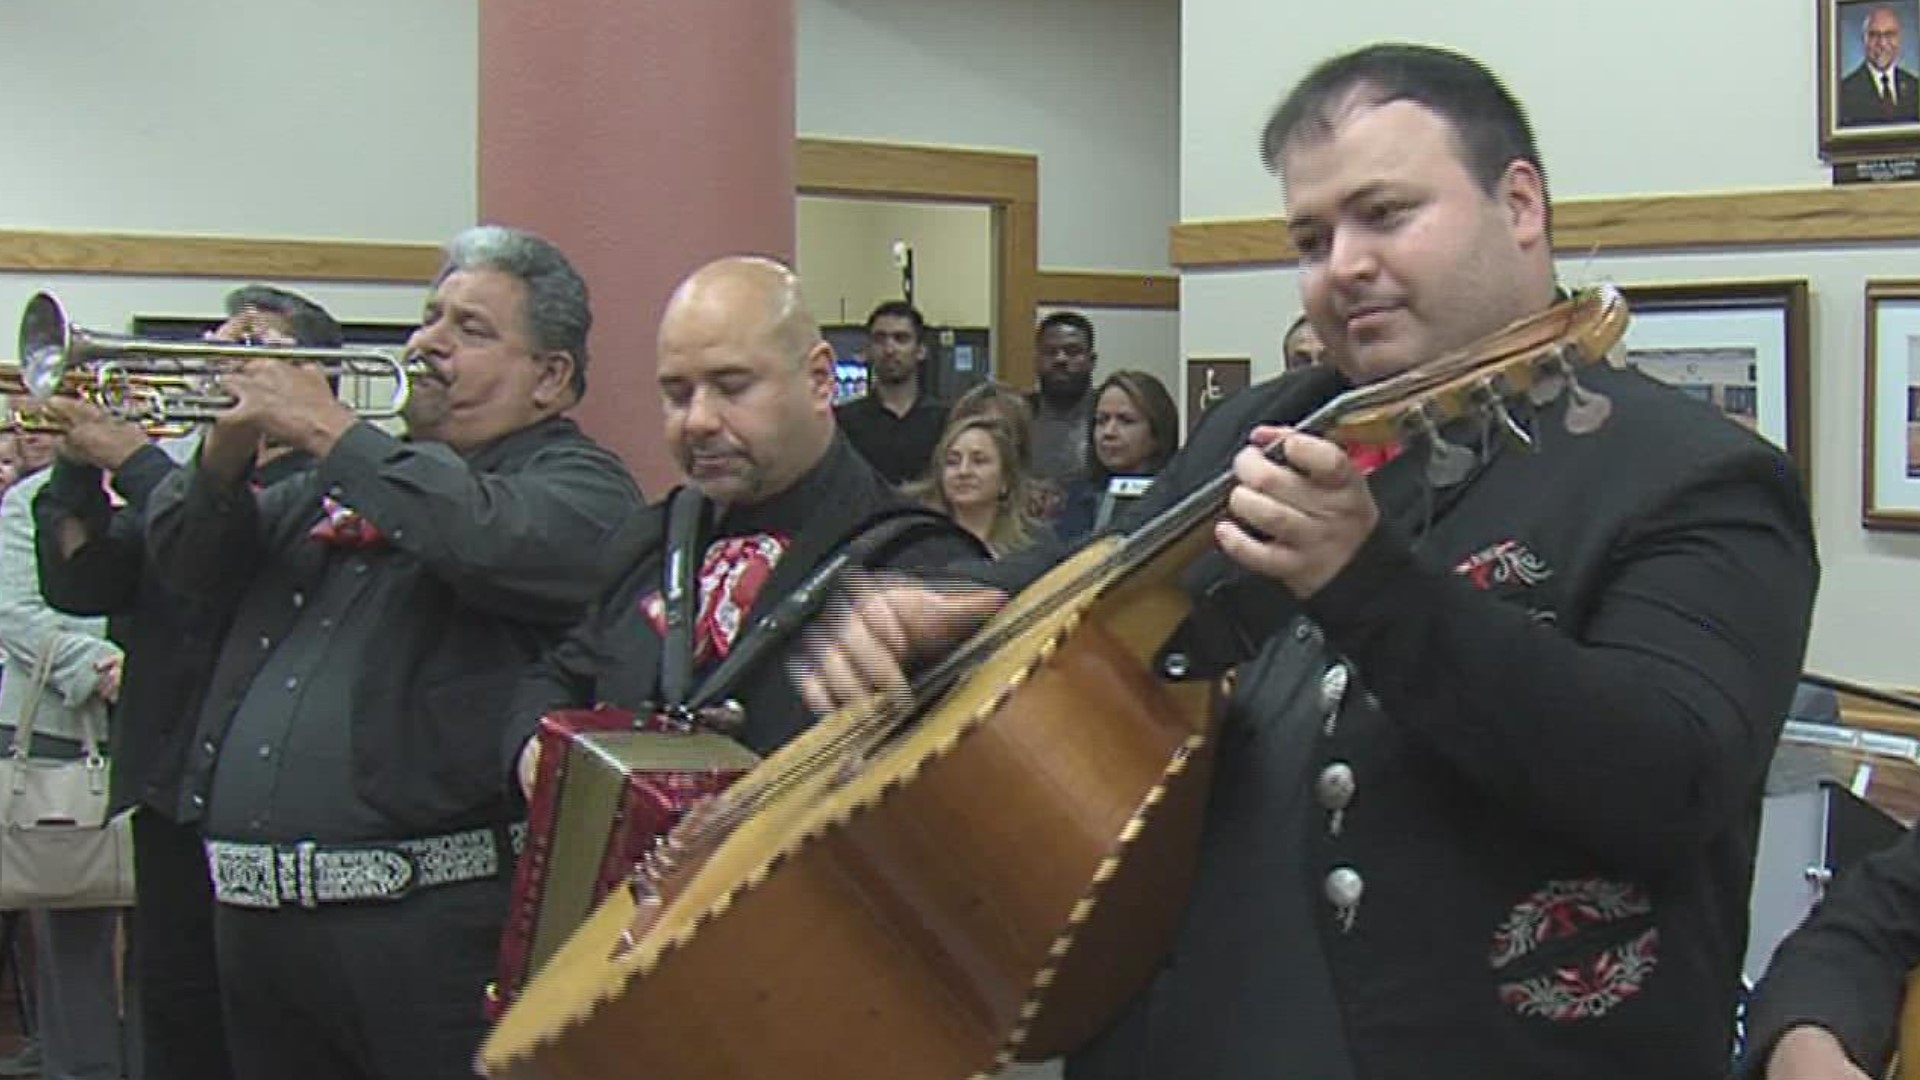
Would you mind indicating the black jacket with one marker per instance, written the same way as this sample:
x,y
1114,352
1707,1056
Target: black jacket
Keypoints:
x,y
488,560
1553,690
1860,104
614,659
170,639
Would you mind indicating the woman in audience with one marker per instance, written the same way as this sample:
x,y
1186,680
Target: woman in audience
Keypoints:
x,y
1009,406
1134,429
980,482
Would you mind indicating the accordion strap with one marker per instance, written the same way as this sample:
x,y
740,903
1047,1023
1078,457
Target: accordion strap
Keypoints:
x,y
874,540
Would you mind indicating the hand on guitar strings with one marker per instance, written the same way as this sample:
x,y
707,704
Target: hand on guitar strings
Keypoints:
x,y
862,644
1300,521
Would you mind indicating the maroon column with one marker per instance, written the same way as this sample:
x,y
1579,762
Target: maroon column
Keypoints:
x,y
644,137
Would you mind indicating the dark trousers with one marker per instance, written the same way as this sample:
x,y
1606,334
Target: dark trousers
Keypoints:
x,y
176,984
366,991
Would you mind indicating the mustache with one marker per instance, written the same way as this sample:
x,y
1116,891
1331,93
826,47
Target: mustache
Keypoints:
x,y
423,368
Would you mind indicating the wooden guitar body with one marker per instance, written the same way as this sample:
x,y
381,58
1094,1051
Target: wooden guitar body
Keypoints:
x,y
997,880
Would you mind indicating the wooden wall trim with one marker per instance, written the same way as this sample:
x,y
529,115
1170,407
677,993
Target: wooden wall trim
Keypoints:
x,y
1007,183
215,256
1106,289
1781,218
902,171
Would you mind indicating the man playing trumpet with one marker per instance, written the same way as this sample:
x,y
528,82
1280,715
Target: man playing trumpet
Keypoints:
x,y
92,563
351,757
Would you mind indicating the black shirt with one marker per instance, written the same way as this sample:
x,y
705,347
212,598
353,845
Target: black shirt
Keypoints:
x,y
614,658
899,447
388,666
170,639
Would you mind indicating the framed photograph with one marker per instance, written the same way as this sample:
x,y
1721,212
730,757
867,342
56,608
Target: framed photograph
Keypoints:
x,y
1869,77
1891,448
1213,379
1739,345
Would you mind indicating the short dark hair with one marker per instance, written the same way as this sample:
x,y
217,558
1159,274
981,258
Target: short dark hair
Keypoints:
x,y
899,309
1072,320
1488,121
559,316
309,323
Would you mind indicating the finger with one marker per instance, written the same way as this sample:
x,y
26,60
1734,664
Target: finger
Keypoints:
x,y
1266,558
1266,435
838,680
1275,520
1323,463
944,615
72,411
1254,469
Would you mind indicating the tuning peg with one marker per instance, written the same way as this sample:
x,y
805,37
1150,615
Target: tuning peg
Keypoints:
x,y
1448,464
1587,410
1511,427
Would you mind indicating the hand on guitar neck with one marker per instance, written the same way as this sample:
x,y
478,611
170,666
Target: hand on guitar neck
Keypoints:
x,y
1299,522
864,648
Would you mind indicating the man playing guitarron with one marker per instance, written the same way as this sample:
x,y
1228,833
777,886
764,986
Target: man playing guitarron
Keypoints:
x,y
1488,781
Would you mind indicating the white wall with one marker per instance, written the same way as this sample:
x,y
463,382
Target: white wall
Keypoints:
x,y
845,258
1090,86
336,119
1622,108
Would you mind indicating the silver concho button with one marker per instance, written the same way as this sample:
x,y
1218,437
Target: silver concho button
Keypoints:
x,y
1335,786
1333,687
1344,886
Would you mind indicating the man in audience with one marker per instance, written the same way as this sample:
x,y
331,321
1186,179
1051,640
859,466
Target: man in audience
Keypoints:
x,y
747,385
1300,346
1489,775
1829,1006
1063,359
352,758
896,425
92,562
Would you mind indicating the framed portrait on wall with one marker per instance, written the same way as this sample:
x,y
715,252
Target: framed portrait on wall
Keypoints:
x,y
1740,346
1211,380
1890,452
1869,78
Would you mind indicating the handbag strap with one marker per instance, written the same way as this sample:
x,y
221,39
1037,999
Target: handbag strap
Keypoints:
x,y
23,731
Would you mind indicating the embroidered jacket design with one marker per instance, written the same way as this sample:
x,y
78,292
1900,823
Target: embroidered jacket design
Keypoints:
x,y
1586,987
1508,562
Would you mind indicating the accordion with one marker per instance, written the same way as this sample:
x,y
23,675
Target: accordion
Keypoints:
x,y
609,785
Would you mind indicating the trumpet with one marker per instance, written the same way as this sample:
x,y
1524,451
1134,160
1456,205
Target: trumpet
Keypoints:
x,y
167,387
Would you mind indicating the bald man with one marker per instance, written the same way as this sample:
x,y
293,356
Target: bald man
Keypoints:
x,y
747,384
1879,91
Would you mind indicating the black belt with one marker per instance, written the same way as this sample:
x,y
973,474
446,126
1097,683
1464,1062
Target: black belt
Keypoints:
x,y
307,874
